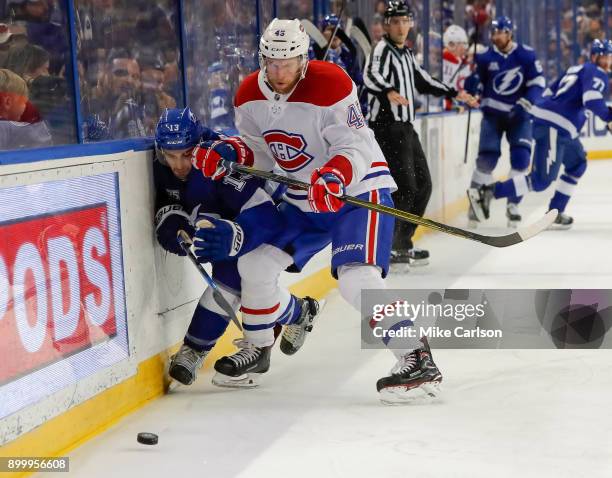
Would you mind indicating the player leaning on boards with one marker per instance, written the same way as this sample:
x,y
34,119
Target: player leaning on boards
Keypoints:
x,y
243,216
391,76
558,120
510,80
304,118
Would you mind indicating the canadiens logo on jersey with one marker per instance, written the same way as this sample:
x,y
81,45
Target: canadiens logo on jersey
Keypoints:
x,y
289,149
508,82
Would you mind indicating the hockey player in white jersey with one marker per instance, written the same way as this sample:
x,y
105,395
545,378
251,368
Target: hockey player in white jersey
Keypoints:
x,y
304,117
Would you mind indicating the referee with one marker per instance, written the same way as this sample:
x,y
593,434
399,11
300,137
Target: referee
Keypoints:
x,y
391,76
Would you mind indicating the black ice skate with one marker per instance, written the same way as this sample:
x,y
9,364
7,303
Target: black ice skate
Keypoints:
x,y
295,334
418,257
400,256
513,215
242,369
184,365
480,201
414,377
562,222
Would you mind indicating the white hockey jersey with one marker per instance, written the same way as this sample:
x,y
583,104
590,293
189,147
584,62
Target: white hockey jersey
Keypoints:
x,y
298,132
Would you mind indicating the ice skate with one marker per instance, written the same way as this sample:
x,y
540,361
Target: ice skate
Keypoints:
x,y
184,365
294,335
480,201
244,368
513,215
400,256
563,222
418,257
414,378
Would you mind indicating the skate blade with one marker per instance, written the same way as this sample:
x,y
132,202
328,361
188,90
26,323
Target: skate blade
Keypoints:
x,y
513,224
247,380
472,224
418,262
559,227
424,393
399,268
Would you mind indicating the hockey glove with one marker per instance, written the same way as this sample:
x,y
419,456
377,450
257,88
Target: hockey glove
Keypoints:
x,y
217,240
327,185
207,156
519,111
169,220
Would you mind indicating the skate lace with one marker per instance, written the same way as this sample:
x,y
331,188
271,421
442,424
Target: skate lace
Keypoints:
x,y
293,332
189,356
247,354
407,363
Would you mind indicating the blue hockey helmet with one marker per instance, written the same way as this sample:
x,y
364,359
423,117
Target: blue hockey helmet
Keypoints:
x,y
503,23
177,128
331,20
601,47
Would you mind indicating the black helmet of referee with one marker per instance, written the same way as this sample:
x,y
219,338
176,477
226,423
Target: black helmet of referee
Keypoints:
x,y
398,8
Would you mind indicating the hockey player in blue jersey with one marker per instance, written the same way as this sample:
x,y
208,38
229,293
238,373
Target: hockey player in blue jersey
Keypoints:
x,y
244,217
558,120
510,80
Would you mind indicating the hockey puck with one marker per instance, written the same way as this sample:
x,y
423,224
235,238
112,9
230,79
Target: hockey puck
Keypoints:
x,y
147,438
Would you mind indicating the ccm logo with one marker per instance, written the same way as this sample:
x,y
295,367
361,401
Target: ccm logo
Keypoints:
x,y
56,288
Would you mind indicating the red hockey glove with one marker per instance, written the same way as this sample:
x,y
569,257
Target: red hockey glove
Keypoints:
x,y
207,156
327,184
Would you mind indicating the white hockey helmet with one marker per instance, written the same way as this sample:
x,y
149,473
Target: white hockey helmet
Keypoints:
x,y
284,39
454,34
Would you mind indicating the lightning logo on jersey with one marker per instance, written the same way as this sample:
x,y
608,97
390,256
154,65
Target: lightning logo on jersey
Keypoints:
x,y
289,149
508,82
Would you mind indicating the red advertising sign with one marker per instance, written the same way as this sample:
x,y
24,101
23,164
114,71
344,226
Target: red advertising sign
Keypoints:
x,y
56,288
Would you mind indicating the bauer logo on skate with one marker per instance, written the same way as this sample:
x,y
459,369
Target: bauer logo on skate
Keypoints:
x,y
61,284
289,149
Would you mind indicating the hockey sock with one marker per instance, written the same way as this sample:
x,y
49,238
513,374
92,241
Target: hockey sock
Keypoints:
x,y
292,312
263,300
565,188
513,174
205,329
511,188
480,177
352,279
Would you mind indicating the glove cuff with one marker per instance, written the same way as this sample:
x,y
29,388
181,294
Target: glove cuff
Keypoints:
x,y
166,211
237,237
341,167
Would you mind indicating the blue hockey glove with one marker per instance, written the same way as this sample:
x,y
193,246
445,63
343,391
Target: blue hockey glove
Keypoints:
x,y
217,240
169,220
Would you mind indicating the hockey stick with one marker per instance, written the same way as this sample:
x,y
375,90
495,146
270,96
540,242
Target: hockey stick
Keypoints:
x,y
520,235
361,40
467,134
185,242
314,33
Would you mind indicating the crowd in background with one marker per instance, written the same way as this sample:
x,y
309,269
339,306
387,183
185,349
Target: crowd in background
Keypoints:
x,y
128,56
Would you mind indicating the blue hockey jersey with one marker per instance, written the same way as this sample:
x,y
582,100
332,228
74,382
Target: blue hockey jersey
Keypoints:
x,y
236,197
564,105
507,79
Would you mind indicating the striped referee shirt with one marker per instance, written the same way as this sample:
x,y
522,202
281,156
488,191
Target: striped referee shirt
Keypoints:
x,y
392,68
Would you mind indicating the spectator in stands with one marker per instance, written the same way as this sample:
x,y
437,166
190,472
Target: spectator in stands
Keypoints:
x,y
154,98
50,96
41,31
14,132
117,99
28,61
376,31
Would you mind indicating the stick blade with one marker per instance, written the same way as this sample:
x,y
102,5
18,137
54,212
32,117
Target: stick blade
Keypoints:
x,y
524,233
